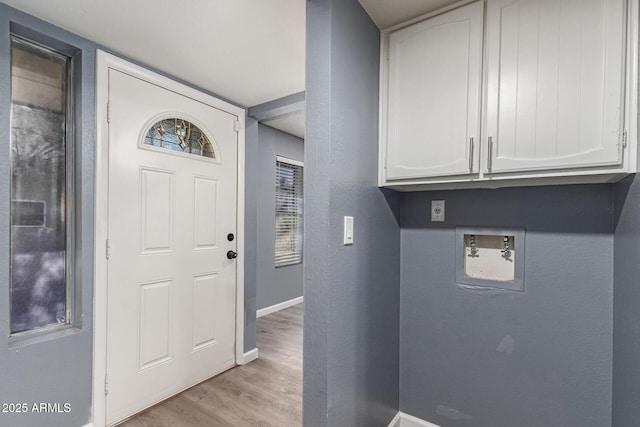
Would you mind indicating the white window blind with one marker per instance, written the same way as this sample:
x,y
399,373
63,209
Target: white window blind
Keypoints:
x,y
289,212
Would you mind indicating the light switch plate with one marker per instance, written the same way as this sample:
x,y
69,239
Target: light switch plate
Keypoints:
x,y
348,230
437,211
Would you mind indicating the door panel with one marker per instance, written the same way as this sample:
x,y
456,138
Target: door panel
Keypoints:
x,y
155,323
157,188
171,289
555,83
204,315
205,212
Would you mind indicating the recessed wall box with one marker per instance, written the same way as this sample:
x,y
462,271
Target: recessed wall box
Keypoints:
x,y
490,257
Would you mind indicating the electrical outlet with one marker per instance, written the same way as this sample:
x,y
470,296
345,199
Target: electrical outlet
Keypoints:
x,y
437,211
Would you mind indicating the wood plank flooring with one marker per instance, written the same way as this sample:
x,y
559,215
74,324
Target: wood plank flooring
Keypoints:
x,y
265,393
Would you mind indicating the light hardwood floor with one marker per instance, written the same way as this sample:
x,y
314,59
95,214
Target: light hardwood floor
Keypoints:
x,y
265,393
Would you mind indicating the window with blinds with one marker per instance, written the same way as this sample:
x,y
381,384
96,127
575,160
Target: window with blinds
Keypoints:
x,y
289,191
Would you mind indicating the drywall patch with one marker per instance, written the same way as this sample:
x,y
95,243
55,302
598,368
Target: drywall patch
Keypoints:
x,y
507,345
452,414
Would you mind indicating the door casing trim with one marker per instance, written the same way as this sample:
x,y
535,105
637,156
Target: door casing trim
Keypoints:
x,y
104,62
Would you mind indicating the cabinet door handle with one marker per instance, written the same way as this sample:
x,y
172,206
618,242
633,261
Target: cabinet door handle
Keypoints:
x,y
490,154
471,147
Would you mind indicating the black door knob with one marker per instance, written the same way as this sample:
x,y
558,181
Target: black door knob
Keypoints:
x,y
232,254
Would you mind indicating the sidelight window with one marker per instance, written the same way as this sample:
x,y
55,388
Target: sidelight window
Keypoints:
x,y
41,176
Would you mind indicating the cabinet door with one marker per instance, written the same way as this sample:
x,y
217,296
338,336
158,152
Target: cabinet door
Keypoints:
x,y
555,83
434,75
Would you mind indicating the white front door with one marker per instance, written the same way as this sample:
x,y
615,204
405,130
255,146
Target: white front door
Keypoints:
x,y
171,286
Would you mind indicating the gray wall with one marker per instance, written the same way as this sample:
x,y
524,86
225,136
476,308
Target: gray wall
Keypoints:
x,y
274,285
626,304
351,292
542,357
59,369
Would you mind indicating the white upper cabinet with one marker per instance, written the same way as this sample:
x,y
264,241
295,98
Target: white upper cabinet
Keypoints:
x,y
555,84
433,99
495,93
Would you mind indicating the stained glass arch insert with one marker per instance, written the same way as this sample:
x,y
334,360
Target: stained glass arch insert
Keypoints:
x,y
180,135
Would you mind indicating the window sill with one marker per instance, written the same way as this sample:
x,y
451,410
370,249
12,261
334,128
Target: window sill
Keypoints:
x,y
38,336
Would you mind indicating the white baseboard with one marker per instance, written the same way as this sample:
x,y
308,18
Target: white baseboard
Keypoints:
x,y
88,425
278,307
249,356
406,420
395,422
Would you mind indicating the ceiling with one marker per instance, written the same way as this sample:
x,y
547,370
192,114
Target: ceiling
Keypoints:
x,y
386,13
291,123
247,51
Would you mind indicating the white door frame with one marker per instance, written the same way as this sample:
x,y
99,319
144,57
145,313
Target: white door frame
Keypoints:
x,y
104,62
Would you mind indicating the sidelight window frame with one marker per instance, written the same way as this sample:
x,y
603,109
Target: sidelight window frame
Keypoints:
x,y
72,58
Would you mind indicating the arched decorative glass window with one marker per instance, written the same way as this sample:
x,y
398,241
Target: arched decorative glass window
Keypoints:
x,y
180,135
